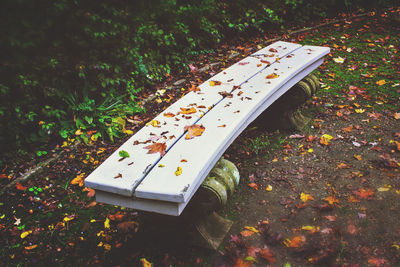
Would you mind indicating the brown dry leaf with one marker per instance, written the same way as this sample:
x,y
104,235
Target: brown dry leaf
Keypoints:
x,y
194,130
330,218
126,227
118,176
273,50
222,126
267,255
351,229
156,148
188,110
169,115
226,94
272,76
352,199
265,61
348,129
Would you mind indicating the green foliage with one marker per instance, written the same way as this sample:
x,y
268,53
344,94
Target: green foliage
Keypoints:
x,y
71,65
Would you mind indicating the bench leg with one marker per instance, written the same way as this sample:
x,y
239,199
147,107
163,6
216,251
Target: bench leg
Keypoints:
x,y
285,113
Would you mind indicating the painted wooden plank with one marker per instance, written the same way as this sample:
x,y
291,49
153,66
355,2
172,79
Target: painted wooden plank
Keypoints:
x,y
121,176
222,124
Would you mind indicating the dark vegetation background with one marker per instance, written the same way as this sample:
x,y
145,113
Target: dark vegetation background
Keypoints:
x,y
71,65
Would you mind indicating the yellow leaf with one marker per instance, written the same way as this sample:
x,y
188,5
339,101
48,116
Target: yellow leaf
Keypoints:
x,y
154,123
107,223
107,246
339,60
313,229
381,82
68,218
358,157
178,171
251,228
310,150
145,263
395,246
25,234
161,165
385,188
359,110
79,179
214,83
78,132
396,116
275,159
305,197
269,188
129,132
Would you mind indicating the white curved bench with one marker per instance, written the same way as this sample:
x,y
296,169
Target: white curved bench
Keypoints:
x,y
224,105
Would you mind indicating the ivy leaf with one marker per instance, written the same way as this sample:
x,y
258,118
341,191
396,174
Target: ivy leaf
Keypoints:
x,y
123,154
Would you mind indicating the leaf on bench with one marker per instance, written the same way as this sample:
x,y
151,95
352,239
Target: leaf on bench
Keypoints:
x,y
169,115
272,76
194,130
154,123
178,171
214,83
156,148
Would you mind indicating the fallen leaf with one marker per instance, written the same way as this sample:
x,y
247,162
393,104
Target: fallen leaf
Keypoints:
x,y
364,193
305,197
351,229
325,139
194,130
339,60
156,148
342,165
118,176
268,188
31,247
296,242
251,228
331,200
330,218
272,76
254,186
377,262
273,50
267,255
91,192
359,110
222,126
242,263
381,82
126,227
226,94
178,171
396,116
154,123
214,83
385,188
79,180
186,111
145,263
169,115
348,129
358,157
20,187
247,233
26,233
310,228
123,154
107,223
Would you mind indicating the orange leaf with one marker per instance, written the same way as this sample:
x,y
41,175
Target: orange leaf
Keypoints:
x,y
348,129
352,199
91,204
156,148
31,247
351,229
188,110
247,233
253,185
377,262
296,242
194,88
331,199
126,227
91,192
381,82
364,193
396,116
117,216
145,263
20,187
194,130
169,115
272,76
358,157
267,255
242,263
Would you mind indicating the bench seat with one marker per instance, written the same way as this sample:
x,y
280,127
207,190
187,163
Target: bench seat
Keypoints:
x,y
224,105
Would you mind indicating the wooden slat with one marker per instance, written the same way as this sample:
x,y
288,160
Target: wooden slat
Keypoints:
x,y
222,124
122,176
